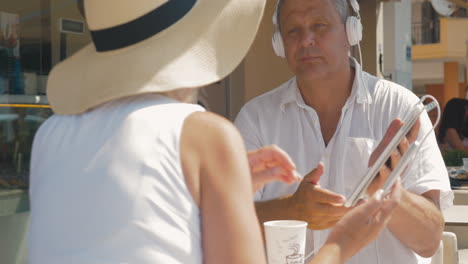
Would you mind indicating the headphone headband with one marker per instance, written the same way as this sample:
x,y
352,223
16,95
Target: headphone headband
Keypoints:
x,y
355,5
275,15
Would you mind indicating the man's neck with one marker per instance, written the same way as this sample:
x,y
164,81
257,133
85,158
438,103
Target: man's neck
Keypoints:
x,y
328,94
327,97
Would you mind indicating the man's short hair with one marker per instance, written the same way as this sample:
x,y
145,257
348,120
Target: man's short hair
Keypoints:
x,y
341,6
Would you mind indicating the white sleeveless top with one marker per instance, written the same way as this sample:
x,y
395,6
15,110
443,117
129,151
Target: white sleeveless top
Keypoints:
x,y
107,186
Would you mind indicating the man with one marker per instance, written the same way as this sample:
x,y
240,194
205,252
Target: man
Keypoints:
x,y
329,117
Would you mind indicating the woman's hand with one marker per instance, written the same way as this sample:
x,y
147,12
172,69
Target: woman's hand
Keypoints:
x,y
359,227
271,163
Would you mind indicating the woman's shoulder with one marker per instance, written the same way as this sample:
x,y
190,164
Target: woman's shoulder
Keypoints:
x,y
209,145
209,128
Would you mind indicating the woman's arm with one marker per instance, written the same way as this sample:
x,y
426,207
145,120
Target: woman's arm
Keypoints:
x,y
453,139
358,228
217,172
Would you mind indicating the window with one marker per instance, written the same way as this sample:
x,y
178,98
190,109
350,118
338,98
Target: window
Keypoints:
x,y
425,24
34,36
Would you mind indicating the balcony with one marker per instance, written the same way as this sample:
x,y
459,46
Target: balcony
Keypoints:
x,y
451,44
426,32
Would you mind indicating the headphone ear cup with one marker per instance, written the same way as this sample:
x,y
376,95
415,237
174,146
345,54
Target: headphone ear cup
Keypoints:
x,y
353,30
278,46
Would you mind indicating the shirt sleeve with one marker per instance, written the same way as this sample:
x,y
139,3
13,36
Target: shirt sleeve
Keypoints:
x,y
249,133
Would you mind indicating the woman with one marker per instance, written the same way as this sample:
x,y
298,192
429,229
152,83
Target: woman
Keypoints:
x,y
129,171
453,127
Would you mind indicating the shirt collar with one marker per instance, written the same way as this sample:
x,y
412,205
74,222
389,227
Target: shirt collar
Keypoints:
x,y
291,94
359,89
360,84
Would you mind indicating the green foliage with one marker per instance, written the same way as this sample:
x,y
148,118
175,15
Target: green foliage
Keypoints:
x,y
454,158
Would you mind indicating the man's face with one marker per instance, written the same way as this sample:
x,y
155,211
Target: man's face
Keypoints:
x,y
314,38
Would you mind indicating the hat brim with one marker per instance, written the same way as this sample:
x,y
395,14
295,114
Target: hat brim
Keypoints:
x,y
202,48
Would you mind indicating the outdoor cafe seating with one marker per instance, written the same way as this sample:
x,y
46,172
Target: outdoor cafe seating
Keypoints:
x,y
454,245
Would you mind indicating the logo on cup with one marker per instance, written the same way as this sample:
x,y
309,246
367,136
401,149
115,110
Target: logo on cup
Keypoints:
x,y
295,257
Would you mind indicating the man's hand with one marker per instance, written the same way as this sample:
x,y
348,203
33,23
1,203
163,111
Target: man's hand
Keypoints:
x,y
319,207
396,155
271,163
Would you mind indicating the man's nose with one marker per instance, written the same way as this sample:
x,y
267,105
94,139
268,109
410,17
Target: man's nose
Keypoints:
x,y
308,38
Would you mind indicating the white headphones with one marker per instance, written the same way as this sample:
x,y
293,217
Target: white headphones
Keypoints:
x,y
353,30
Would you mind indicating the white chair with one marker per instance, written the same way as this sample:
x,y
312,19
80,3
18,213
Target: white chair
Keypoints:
x,y
463,256
450,248
448,252
438,258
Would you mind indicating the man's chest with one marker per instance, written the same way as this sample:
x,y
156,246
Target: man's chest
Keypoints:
x,y
345,156
329,124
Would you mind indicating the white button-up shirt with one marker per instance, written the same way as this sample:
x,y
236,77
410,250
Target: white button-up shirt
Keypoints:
x,y
281,117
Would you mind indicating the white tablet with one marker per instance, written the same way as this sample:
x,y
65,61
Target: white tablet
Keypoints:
x,y
360,191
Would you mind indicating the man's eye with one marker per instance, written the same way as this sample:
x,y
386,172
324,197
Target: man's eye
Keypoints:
x,y
293,31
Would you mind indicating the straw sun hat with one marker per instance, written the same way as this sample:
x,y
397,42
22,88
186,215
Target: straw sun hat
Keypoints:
x,y
146,46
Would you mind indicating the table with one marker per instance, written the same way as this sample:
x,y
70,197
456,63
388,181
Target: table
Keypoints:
x,y
456,215
14,221
13,202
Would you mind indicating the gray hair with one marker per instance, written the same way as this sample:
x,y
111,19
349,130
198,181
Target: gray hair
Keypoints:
x,y
341,6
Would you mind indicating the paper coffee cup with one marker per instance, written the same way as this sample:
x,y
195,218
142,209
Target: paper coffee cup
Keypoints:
x,y
285,241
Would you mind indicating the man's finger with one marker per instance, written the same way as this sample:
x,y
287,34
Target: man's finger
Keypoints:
x,y
326,196
403,146
395,192
379,180
331,211
395,157
414,132
314,176
391,132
